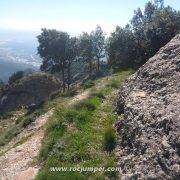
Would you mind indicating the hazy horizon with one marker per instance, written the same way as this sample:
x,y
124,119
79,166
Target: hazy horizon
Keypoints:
x,y
71,16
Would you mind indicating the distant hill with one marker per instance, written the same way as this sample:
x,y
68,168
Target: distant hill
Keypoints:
x,y
18,51
8,67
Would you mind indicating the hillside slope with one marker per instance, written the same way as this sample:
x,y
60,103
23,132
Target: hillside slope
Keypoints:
x,y
83,118
149,133
31,89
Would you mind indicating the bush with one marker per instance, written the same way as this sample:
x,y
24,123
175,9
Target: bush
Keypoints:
x,y
9,134
5,115
89,104
82,117
100,94
88,84
55,129
109,139
27,120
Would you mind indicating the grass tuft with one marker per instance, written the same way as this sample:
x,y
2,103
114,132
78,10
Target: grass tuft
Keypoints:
x,y
109,139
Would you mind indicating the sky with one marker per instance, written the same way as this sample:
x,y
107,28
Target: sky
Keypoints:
x,y
73,16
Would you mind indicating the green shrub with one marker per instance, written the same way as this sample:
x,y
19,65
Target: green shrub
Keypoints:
x,y
55,125
9,134
109,139
71,115
79,117
82,116
6,115
89,104
55,129
27,120
88,84
100,94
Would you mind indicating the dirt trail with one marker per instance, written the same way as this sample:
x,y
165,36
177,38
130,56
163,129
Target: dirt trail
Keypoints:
x,y
17,163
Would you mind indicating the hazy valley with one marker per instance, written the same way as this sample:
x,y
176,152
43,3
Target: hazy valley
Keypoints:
x,y
18,51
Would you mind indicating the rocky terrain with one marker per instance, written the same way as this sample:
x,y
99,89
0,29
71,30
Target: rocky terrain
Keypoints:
x,y
149,130
31,89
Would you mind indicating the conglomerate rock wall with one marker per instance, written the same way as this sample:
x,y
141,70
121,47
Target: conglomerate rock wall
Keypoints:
x,y
149,131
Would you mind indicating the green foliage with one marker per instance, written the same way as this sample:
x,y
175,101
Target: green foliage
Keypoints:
x,y
5,115
98,39
88,104
71,115
100,94
9,134
58,51
92,49
147,32
20,124
55,129
121,48
88,84
25,121
109,139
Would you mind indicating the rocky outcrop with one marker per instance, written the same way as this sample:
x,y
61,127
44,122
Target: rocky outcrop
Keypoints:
x,y
30,90
149,132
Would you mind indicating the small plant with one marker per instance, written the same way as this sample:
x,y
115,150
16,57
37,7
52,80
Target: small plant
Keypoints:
x,y
9,134
71,115
27,120
88,84
109,139
82,116
6,115
100,94
55,129
89,104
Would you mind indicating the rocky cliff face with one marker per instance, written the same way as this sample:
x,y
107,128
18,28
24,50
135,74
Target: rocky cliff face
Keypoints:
x,y
31,89
149,132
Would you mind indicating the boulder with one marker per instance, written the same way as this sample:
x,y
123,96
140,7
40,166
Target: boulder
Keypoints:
x,y
30,90
149,130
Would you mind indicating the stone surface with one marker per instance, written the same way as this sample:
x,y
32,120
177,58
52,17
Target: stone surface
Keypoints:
x,y
31,89
149,132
